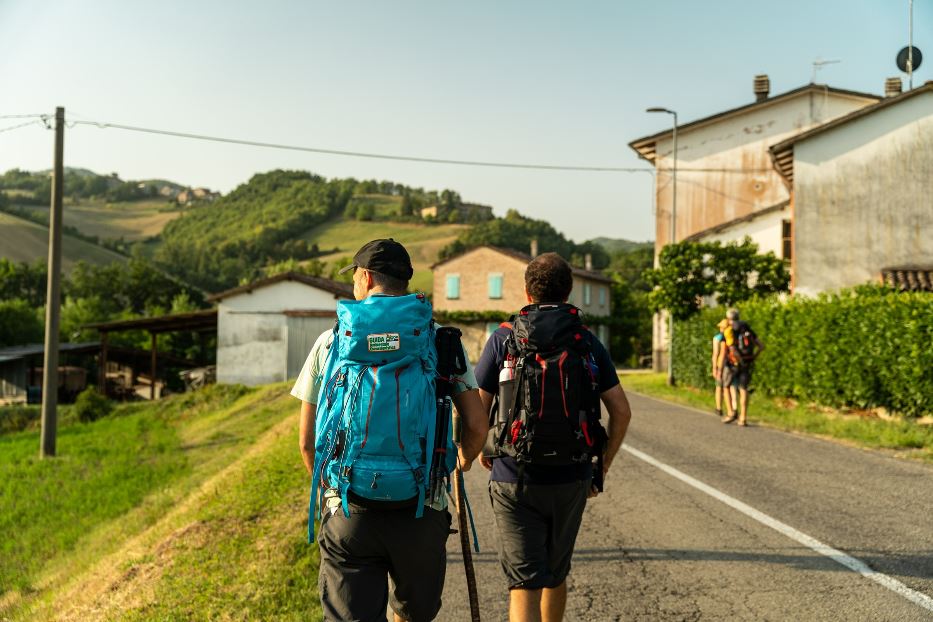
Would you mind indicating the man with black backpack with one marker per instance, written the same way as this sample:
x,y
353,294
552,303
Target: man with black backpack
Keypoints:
x,y
742,347
542,378
375,436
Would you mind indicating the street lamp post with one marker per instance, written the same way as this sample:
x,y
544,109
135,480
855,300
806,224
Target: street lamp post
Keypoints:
x,y
670,315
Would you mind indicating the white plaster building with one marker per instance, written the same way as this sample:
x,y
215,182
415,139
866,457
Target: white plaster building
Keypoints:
x,y
862,196
727,186
265,330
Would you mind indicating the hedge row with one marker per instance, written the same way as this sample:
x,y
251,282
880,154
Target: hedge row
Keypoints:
x,y
860,348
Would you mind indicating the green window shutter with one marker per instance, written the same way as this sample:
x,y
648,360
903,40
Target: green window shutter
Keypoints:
x,y
587,294
495,286
453,286
602,296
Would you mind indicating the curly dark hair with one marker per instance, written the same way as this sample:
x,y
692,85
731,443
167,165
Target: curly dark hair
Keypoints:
x,y
549,278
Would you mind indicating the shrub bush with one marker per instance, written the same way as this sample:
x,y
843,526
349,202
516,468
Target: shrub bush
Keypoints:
x,y
863,348
91,405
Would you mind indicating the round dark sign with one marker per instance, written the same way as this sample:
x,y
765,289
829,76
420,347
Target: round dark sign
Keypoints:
x,y
902,59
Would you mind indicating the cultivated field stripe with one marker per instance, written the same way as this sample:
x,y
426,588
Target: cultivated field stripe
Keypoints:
x,y
856,565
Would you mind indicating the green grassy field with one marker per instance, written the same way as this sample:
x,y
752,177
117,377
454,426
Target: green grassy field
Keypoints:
x,y
22,240
192,508
905,437
423,242
131,221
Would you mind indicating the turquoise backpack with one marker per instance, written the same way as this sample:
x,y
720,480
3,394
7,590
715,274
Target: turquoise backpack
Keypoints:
x,y
377,411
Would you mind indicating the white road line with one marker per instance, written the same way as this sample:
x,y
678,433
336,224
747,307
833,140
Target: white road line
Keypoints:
x,y
856,565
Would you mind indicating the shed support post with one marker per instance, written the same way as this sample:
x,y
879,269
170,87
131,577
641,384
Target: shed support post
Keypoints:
x,y
102,361
152,368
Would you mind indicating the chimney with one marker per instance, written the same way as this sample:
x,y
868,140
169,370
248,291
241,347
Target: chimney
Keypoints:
x,y
534,247
762,87
588,262
892,87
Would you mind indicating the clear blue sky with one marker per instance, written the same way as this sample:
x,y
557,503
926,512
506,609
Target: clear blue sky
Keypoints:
x,y
550,82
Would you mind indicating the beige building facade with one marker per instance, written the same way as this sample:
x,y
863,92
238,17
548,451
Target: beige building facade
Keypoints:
x,y
489,278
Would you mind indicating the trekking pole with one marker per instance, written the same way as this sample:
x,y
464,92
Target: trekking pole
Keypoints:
x,y
462,527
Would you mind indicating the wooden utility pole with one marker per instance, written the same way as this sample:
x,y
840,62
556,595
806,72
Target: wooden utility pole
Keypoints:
x,y
53,296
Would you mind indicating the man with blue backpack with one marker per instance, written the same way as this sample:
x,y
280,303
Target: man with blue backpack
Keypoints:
x,y
542,378
375,435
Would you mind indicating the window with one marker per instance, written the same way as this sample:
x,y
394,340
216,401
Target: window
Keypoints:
x,y
602,296
787,247
587,294
490,329
495,286
570,297
453,286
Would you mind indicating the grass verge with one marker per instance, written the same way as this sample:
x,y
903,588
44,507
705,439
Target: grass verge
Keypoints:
x,y
906,438
191,508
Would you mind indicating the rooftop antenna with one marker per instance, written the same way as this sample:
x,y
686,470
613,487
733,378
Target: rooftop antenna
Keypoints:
x,y
818,64
910,57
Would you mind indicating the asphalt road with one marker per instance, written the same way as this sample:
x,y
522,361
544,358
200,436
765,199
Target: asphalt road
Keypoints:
x,y
653,547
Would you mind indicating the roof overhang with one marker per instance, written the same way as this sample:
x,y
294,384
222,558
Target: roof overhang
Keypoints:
x,y
201,321
645,147
338,289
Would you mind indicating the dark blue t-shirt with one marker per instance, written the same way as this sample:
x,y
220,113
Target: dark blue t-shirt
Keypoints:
x,y
487,369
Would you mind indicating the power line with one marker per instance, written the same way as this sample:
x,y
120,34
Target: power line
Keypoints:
x,y
24,116
16,127
361,154
384,156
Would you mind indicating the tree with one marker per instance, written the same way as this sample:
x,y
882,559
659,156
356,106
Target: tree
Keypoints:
x,y
733,272
20,323
23,280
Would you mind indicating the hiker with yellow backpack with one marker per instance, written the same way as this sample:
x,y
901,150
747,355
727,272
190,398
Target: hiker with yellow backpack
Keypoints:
x,y
742,347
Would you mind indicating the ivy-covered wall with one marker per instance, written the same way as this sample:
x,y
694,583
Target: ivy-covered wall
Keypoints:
x,y
862,348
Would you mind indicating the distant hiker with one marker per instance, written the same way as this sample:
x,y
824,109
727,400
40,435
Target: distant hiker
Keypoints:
x,y
717,365
742,348
541,379
374,439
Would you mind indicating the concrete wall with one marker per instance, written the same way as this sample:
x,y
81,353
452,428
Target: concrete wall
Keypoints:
x,y
764,231
863,199
252,348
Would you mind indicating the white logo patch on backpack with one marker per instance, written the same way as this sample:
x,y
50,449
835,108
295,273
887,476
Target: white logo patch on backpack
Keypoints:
x,y
383,342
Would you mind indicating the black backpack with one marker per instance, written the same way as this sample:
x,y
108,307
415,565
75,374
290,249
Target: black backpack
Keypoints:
x,y
744,343
553,417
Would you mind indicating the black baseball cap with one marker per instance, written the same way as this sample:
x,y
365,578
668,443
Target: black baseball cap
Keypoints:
x,y
385,257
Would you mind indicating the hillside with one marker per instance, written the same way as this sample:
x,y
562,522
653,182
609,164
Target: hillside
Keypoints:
x,y
22,240
194,508
423,242
614,245
130,220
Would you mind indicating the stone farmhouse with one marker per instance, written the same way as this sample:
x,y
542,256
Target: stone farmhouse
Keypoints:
x,y
489,278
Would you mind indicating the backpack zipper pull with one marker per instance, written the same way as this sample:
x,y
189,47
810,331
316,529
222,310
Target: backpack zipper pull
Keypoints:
x,y
374,485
